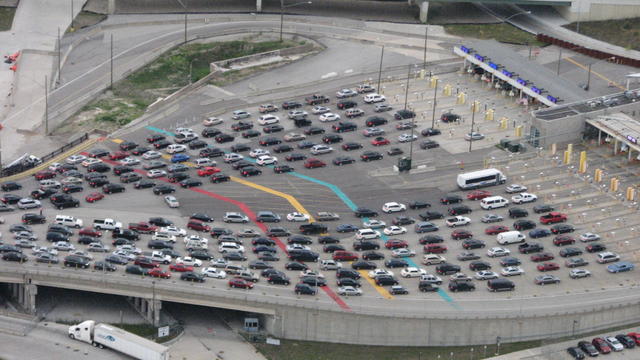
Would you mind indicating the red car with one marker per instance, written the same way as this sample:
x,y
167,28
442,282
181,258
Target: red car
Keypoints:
x,y
118,155
561,240
434,249
478,194
379,141
601,345
548,266
198,225
344,256
89,231
314,163
461,234
44,174
157,272
180,268
396,244
542,257
209,170
635,336
496,229
143,227
146,262
240,283
93,197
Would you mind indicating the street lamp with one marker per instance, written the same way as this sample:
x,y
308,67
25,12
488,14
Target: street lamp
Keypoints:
x,y
586,87
516,14
282,7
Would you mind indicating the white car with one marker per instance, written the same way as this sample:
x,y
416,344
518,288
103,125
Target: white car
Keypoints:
x,y
345,93
174,230
395,230
473,136
374,224
327,117
588,237
498,252
579,273
156,173
330,265
458,221
247,233
297,217
214,273
349,291
28,203
240,114
433,259
63,246
412,271
219,263
268,119
363,234
162,236
230,246
150,155
204,162
485,275
184,131
234,217
311,273
614,343
130,248
130,161
90,161
516,188
176,148
317,110
460,277
321,149
295,246
511,271
258,152
161,258
194,237
432,279
380,272
97,247
407,138
212,120
171,201
523,198
71,180
232,157
189,261
392,207
403,252
374,98
75,159
266,160
125,254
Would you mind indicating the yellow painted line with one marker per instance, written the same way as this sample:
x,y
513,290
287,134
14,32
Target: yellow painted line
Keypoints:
x,y
78,149
596,73
365,275
117,141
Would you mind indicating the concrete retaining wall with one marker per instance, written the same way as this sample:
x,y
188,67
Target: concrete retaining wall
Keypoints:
x,y
594,10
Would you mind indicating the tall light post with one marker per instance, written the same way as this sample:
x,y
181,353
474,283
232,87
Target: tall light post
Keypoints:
x,y
282,7
473,119
184,6
516,14
433,114
586,88
380,69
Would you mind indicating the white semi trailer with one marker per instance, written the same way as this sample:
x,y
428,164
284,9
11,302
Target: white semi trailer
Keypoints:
x,y
103,335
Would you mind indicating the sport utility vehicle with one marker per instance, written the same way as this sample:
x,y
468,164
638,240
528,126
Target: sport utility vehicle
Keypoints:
x,y
63,201
313,228
404,114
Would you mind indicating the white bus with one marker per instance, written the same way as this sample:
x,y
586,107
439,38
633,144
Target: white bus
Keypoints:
x,y
480,178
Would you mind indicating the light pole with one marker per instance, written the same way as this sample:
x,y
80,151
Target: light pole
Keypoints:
x,y
433,114
184,6
380,69
516,14
282,7
473,119
586,88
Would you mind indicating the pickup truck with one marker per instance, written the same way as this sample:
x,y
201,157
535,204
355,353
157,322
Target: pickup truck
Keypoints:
x,y
159,257
553,217
316,99
106,224
327,216
143,227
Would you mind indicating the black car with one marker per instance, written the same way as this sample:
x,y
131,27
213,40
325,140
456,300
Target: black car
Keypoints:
x,y
331,139
163,189
328,240
459,210
426,286
524,224
268,257
42,194
269,129
160,221
238,148
346,104
104,266
31,218
419,205
303,255
370,156
131,177
449,117
250,134
363,265
314,130
177,177
283,148
191,276
135,270
301,122
201,216
9,248
447,269
14,256
430,132
473,244
98,182
343,160
570,251
197,144
346,281
259,265
113,188
291,105
429,144
313,280
125,234
268,141
299,239
346,126
510,261
372,255
595,247
361,245
626,341
250,171
430,239
140,150
117,241
241,164
543,208
223,138
517,212
575,352
404,114
479,265
201,255
10,186
364,212
313,228
159,244
155,138
528,248
396,263
189,183
296,266
588,348
76,261
211,152
281,169
376,121
450,199
431,215
278,279
305,144
10,199
99,168
403,220
122,169
304,289
210,132
386,280
64,201
456,286
98,153
161,144
86,240
242,125
220,177
562,228
351,146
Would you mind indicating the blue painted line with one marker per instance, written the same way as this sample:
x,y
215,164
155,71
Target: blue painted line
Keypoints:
x,y
345,199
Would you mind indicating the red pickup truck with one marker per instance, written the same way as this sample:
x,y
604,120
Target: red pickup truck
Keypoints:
x,y
142,227
553,217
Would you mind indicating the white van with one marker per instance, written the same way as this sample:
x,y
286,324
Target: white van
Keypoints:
x,y
367,234
69,221
493,202
510,237
50,184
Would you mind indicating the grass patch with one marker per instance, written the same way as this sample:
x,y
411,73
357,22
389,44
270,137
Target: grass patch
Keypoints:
x,y
624,32
144,330
6,17
501,32
310,350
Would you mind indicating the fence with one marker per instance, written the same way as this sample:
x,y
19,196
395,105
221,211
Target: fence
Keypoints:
x,y
618,59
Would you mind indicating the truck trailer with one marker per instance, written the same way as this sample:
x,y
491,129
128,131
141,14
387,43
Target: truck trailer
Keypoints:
x,y
103,335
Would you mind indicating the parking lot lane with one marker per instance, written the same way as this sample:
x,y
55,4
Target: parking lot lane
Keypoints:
x,y
163,131
365,275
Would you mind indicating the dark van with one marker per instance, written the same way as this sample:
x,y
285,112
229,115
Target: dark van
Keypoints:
x,y
500,285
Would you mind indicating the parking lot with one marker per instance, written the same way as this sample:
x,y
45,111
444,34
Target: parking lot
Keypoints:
x,y
341,189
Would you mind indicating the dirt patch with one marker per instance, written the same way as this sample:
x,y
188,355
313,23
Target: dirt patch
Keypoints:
x,y
624,33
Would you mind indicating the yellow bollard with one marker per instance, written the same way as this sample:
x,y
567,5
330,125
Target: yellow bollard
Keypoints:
x,y
631,193
582,167
461,98
447,90
519,131
597,176
433,82
613,185
570,151
488,115
422,74
554,149
504,123
567,157
475,106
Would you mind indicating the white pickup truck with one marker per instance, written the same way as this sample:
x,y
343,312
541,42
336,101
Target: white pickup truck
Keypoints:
x,y
106,224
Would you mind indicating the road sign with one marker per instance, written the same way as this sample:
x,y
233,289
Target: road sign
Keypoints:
x,y
163,331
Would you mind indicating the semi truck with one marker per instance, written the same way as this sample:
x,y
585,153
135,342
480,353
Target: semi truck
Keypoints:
x,y
107,336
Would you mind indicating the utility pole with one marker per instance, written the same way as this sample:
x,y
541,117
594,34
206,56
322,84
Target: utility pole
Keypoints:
x,y
424,56
72,14
111,56
559,60
406,90
46,107
586,88
380,70
473,119
435,96
59,57
281,17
